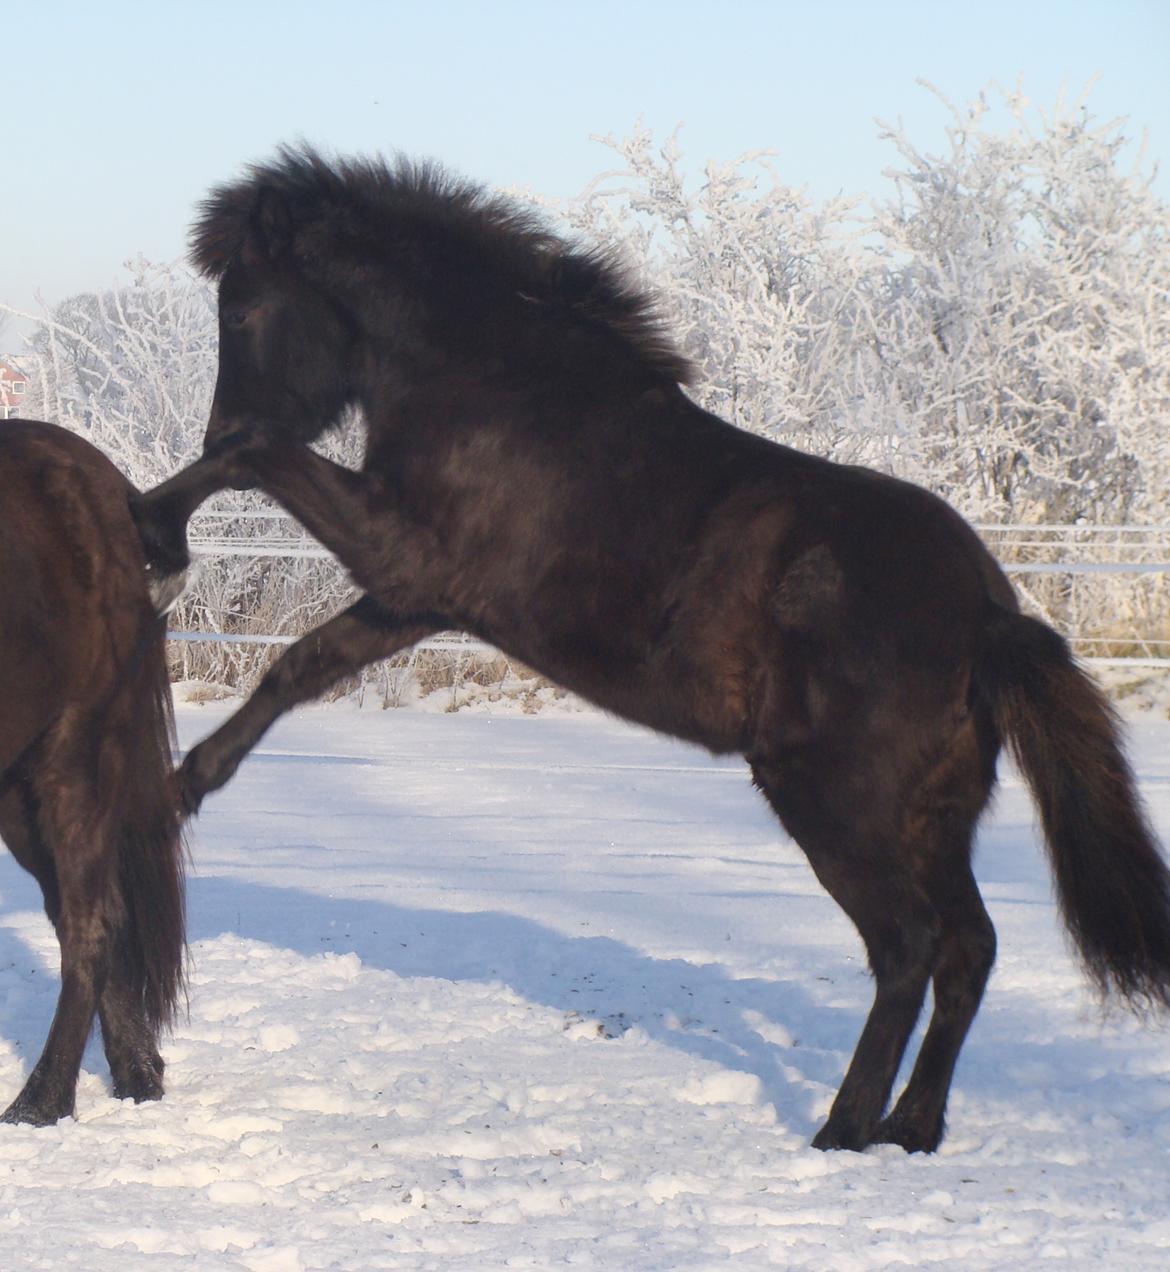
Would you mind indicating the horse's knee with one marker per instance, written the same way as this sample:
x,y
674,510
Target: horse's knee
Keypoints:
x,y
287,678
981,948
904,948
967,962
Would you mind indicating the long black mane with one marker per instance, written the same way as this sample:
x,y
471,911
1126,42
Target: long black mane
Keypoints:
x,y
355,207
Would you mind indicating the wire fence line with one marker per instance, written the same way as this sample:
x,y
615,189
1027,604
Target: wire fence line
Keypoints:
x,y
1106,586
1051,564
440,641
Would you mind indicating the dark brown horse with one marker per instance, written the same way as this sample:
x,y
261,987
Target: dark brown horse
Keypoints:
x,y
86,799
535,475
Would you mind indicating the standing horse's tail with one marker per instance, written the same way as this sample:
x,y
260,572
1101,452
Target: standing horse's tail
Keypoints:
x,y
1112,884
152,953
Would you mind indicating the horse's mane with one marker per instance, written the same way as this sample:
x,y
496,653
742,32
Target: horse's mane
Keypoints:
x,y
373,201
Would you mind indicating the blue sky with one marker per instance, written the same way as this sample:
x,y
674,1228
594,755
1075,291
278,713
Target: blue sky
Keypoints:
x,y
122,113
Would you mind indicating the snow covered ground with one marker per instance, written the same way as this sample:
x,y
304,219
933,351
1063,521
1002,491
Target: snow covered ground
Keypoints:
x,y
485,991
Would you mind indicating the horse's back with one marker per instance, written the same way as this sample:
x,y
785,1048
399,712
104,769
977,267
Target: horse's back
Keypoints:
x,y
815,587
72,577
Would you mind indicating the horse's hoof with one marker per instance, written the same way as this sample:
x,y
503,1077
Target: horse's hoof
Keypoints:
x,y
164,543
914,1139
233,443
141,1087
237,452
22,1112
831,1137
190,801
165,589
187,798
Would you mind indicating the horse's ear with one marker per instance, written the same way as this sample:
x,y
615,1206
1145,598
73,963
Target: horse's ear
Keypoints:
x,y
271,226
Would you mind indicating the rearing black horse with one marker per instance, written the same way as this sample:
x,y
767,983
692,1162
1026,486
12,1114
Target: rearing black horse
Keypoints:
x,y
535,475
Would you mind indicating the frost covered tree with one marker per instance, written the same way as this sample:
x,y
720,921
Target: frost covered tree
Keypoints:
x,y
1025,318
762,287
131,369
998,331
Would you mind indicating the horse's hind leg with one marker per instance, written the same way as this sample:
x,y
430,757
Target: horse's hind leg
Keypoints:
x,y
18,830
131,1045
950,806
84,908
21,835
839,823
917,1121
129,1040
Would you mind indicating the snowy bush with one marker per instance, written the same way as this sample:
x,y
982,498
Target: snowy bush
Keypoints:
x,y
999,332
1026,302
131,369
762,288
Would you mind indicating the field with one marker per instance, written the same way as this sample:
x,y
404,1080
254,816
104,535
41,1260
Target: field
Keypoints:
x,y
486,990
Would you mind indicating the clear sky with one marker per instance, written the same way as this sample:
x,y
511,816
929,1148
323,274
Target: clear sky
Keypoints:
x,y
119,114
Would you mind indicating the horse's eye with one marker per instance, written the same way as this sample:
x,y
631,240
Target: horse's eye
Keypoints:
x,y
236,316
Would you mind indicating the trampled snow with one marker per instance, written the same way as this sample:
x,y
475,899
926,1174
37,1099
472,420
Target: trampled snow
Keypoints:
x,y
484,991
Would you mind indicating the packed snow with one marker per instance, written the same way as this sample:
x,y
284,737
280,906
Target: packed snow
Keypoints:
x,y
489,990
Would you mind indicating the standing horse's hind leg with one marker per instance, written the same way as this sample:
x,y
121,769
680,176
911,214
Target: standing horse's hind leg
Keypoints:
x,y
944,812
131,1045
965,961
84,908
897,922
49,1093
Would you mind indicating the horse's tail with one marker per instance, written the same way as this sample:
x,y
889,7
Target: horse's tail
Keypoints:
x,y
151,854
1112,885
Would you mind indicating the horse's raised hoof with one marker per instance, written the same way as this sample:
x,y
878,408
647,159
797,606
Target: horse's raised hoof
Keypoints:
x,y
236,453
165,589
238,442
205,768
164,541
188,797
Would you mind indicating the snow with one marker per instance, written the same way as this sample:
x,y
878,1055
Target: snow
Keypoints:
x,y
485,990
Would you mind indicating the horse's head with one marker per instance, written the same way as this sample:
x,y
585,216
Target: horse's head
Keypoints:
x,y
316,257
284,347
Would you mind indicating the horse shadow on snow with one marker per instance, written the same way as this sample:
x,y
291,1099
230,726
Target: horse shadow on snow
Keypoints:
x,y
793,1033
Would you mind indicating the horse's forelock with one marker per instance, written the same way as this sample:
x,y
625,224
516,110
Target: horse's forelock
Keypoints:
x,y
219,233
226,216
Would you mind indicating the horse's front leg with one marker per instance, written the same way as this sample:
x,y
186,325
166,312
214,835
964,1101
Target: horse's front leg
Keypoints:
x,y
161,513
332,502
347,511
339,648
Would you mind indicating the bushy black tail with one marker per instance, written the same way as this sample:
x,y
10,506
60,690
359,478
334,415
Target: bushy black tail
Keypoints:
x,y
150,855
1112,883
